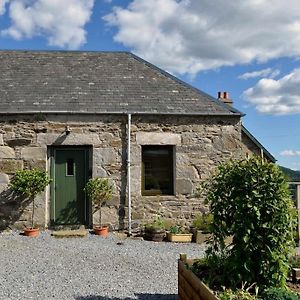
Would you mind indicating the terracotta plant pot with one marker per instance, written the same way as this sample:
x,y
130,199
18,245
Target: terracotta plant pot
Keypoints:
x,y
103,231
33,232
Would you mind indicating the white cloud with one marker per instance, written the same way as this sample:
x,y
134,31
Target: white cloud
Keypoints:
x,y
290,153
61,22
277,97
187,36
2,6
269,72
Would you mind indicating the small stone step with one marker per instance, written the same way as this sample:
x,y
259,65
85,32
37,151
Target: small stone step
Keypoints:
x,y
67,227
70,233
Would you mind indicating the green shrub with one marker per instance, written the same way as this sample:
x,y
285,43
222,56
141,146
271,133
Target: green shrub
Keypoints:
x,y
203,222
236,295
158,223
279,294
30,183
175,229
210,270
249,200
99,190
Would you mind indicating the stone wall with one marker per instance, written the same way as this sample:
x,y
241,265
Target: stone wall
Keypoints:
x,y
200,144
250,148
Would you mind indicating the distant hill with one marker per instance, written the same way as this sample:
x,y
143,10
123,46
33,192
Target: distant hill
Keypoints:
x,y
291,174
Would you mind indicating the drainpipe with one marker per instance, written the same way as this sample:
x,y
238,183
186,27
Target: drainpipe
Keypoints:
x,y
47,194
128,173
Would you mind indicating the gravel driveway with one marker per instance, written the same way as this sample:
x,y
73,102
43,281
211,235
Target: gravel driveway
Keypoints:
x,y
90,268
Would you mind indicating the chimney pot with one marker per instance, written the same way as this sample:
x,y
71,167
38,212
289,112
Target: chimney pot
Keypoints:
x,y
224,97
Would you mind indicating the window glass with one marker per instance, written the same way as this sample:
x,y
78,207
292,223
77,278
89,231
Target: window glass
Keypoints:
x,y
70,167
157,177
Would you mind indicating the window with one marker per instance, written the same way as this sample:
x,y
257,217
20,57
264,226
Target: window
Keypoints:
x,y
70,167
157,170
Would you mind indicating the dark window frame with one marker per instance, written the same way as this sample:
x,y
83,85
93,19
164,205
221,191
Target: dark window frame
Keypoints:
x,y
168,170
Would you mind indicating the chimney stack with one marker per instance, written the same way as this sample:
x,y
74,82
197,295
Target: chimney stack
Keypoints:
x,y
224,97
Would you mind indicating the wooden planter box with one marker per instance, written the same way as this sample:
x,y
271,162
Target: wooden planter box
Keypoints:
x,y
179,237
190,287
201,237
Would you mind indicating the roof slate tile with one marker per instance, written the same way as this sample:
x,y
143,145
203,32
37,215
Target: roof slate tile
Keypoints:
x,y
96,82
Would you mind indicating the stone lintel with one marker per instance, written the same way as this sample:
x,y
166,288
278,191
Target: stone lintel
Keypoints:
x,y
158,138
70,139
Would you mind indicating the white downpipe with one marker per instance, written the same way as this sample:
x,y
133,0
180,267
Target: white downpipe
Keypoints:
x,y
128,173
47,194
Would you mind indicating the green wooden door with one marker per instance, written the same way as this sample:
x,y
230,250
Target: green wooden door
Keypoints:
x,y
69,175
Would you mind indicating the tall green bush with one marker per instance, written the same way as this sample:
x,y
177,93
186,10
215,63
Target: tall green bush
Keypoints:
x,y
30,183
249,200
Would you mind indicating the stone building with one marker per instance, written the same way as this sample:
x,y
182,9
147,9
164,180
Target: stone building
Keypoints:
x,y
101,114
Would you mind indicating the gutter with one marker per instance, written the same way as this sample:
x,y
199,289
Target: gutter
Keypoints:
x,y
61,112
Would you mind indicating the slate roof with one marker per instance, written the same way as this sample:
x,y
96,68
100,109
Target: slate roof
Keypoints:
x,y
96,82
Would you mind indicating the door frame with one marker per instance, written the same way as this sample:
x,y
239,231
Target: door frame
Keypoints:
x,y
88,174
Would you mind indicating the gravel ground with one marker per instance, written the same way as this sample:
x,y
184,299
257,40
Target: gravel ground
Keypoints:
x,y
90,268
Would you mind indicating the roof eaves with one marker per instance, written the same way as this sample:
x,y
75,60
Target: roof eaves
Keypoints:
x,y
117,113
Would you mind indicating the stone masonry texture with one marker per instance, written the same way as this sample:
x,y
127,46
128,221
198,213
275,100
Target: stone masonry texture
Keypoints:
x,y
200,143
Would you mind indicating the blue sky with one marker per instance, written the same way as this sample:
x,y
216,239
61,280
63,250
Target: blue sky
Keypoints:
x,y
245,47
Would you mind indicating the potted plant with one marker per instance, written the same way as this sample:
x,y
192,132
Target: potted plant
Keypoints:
x,y
176,234
99,190
201,228
30,183
155,231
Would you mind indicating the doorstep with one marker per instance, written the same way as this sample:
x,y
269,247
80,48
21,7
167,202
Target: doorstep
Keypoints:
x,y
69,233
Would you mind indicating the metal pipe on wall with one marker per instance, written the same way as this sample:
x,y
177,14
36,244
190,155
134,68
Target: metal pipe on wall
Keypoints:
x,y
128,172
